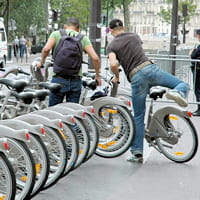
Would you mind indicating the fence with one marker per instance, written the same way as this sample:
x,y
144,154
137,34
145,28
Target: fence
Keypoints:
x,y
182,69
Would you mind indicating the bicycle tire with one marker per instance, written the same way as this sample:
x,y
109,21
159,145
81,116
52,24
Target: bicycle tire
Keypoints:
x,y
7,179
71,141
186,147
83,141
57,151
18,155
122,133
93,134
42,163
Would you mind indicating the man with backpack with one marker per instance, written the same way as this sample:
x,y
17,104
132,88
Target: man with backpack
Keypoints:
x,y
68,45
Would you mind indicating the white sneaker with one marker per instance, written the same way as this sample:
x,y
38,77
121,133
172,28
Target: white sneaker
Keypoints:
x,y
176,96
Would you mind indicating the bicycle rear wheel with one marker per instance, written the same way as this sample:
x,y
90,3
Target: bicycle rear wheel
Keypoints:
x,y
119,134
23,165
93,133
42,163
184,135
71,141
7,179
83,141
57,151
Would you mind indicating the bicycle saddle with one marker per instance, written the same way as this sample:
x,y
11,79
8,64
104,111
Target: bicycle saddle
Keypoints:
x,y
156,92
40,94
27,97
53,87
18,85
89,74
92,84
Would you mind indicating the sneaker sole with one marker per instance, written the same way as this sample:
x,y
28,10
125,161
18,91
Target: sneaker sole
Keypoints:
x,y
139,160
178,100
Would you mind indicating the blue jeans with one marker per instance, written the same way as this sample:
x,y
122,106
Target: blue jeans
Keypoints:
x,y
22,49
71,90
141,82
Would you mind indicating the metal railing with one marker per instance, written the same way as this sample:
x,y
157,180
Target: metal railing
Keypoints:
x,y
183,70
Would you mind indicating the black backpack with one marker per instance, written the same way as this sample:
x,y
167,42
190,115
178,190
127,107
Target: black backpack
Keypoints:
x,y
68,55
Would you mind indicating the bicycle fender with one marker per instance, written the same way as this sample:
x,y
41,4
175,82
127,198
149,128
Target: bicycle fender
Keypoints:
x,y
18,124
124,92
98,103
158,119
67,111
37,119
22,134
51,114
75,106
160,113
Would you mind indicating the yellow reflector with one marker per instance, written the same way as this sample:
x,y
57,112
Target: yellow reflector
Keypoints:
x,y
111,143
62,134
173,117
103,146
37,168
179,153
80,151
3,197
24,178
111,111
102,113
115,129
58,162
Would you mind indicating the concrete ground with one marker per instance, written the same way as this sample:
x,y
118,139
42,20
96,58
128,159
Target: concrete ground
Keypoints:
x,y
112,179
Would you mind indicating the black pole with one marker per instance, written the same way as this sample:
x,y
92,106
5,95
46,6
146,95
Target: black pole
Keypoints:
x,y
106,37
184,31
174,36
95,27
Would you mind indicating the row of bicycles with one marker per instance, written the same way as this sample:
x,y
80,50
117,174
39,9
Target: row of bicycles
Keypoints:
x,y
39,145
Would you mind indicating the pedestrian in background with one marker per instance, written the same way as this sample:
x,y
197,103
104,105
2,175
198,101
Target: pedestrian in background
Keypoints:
x,y
22,47
16,47
126,49
195,67
28,47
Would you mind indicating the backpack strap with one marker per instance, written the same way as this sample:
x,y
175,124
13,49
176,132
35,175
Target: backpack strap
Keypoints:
x,y
80,36
63,32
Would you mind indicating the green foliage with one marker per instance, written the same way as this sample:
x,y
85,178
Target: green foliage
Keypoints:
x,y
166,14
72,8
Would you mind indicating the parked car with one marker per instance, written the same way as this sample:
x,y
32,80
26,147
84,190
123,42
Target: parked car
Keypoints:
x,y
3,44
37,48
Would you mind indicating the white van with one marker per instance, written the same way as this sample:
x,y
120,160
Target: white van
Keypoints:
x,y
3,44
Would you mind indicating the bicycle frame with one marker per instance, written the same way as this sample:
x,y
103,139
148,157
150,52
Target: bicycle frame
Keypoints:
x,y
155,121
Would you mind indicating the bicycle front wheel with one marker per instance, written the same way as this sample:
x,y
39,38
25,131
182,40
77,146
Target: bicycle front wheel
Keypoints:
x,y
7,179
118,132
185,141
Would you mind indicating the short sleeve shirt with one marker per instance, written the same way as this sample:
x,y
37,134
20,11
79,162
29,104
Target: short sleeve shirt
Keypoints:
x,y
57,35
128,50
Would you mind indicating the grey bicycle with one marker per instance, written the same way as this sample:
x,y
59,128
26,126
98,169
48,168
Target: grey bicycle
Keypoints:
x,y
169,129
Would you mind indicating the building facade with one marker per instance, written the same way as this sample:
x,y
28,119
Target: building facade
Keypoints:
x,y
145,19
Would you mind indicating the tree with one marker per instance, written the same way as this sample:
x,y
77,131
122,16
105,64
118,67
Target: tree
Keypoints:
x,y
166,14
122,4
75,8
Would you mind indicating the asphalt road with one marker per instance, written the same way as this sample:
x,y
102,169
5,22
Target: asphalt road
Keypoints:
x,y
113,179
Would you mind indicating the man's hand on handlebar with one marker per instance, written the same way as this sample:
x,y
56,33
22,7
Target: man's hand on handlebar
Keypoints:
x,y
115,80
98,79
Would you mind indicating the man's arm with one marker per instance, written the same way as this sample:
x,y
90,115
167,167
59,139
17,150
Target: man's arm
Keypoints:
x,y
46,50
96,62
195,54
114,64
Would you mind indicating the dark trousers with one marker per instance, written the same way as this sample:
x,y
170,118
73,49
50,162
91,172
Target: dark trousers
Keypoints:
x,y
196,82
71,90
